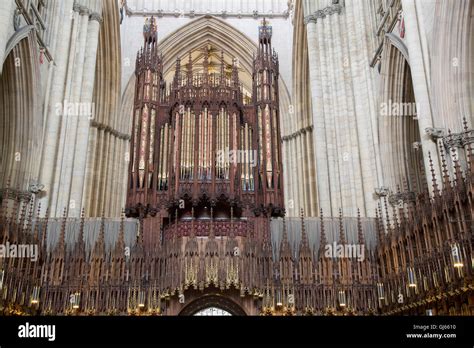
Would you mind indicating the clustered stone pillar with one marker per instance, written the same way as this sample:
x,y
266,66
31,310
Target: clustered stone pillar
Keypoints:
x,y
70,108
69,131
6,12
54,118
83,126
297,125
319,134
344,107
420,86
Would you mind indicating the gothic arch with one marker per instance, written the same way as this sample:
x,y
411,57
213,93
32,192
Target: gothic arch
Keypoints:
x,y
193,37
21,124
399,44
16,38
398,127
212,300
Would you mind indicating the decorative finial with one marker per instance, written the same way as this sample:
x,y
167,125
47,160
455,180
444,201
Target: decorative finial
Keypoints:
x,y
359,228
433,176
323,240
445,167
150,31
342,235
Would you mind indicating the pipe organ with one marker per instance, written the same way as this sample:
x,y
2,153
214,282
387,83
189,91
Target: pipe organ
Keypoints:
x,y
196,143
204,181
205,163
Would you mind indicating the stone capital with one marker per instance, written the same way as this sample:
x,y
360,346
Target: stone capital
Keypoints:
x,y
323,13
94,16
81,9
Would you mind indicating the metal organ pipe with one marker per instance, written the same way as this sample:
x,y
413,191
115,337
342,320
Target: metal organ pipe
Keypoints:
x,y
268,147
166,154
235,146
151,148
185,147
143,144
211,145
208,143
135,140
200,147
242,167
177,139
160,159
188,143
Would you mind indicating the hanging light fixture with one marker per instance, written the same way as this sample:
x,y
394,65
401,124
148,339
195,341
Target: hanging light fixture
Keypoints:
x,y
35,295
381,291
141,299
279,302
411,277
456,255
342,298
76,300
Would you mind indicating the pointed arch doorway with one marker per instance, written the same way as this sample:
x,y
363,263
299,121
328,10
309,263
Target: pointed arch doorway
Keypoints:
x,y
212,305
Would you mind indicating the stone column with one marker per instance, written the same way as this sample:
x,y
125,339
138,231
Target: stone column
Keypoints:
x,y
311,175
83,126
57,203
66,162
420,87
343,106
319,133
6,17
54,113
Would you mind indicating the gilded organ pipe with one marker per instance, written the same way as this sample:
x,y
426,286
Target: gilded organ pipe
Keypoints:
x,y
166,154
193,138
199,145
151,147
188,143
183,146
268,143
143,144
135,137
260,136
176,153
161,158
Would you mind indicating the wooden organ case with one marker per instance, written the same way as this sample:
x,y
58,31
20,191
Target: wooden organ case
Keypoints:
x,y
198,146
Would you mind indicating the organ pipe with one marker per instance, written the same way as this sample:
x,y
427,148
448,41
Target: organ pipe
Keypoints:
x,y
136,127
268,147
161,154
151,146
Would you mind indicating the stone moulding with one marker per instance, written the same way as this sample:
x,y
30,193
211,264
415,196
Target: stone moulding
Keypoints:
x,y
94,16
320,14
297,133
459,140
193,13
108,129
